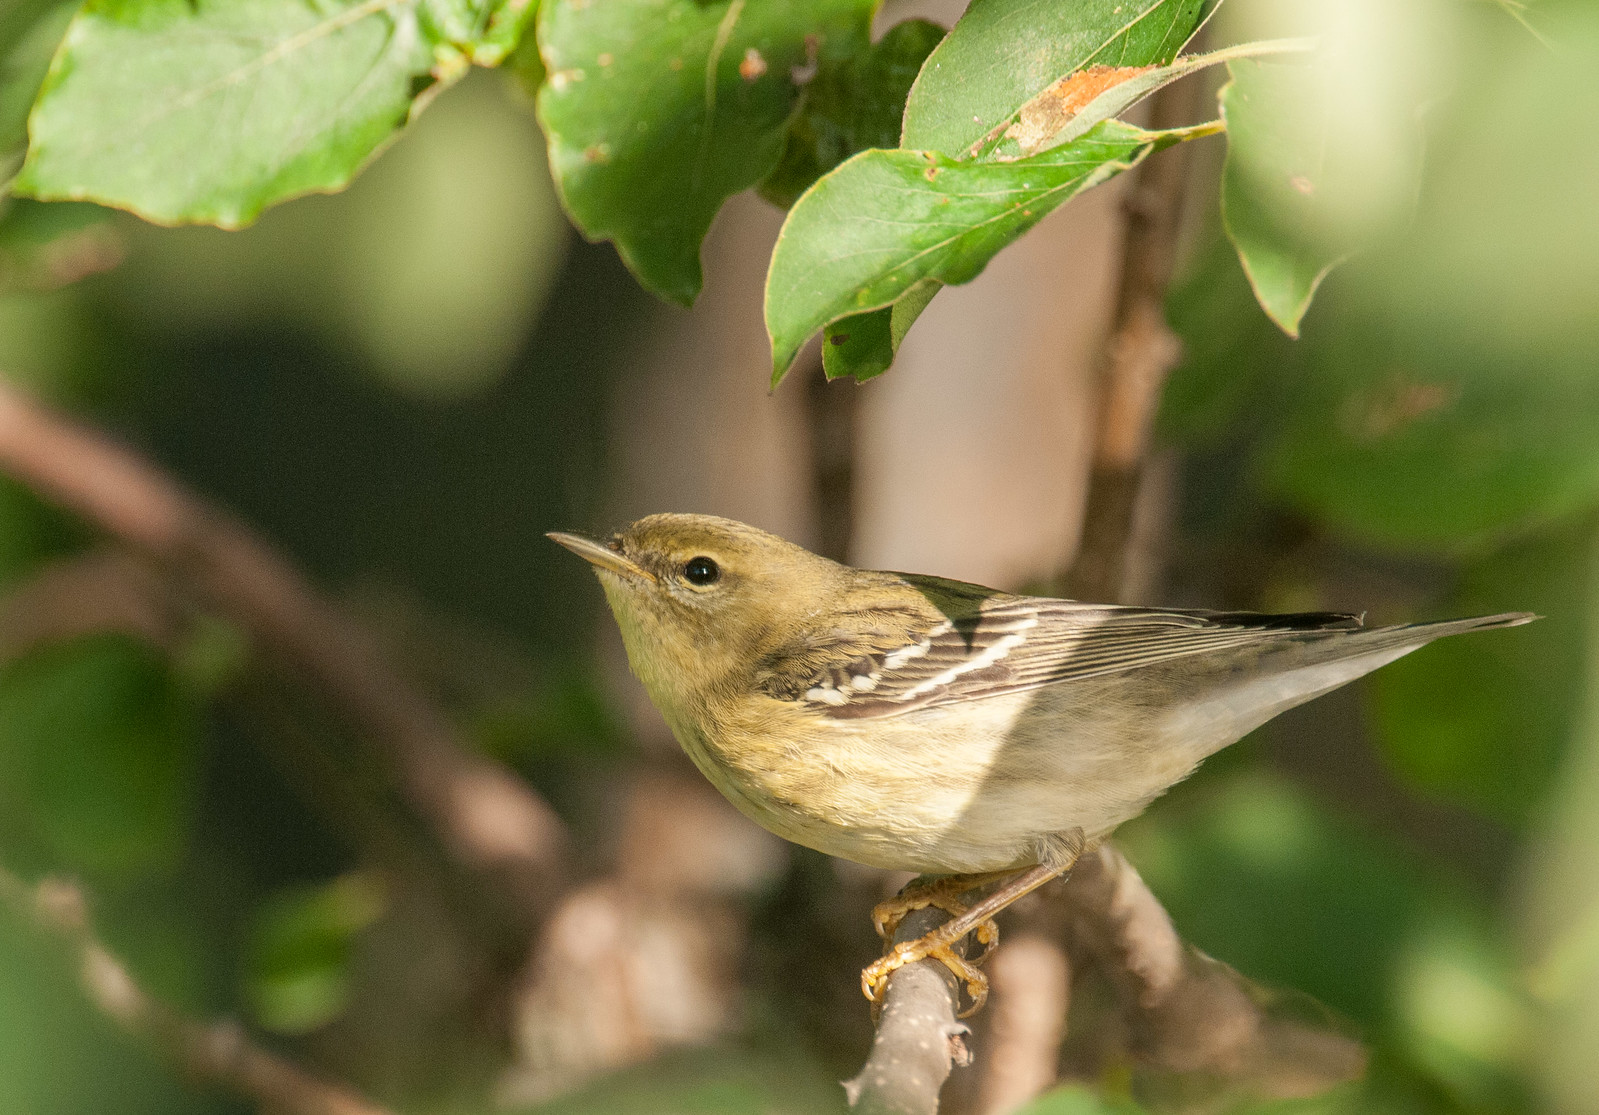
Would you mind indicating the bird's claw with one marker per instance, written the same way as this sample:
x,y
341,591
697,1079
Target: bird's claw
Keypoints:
x,y
934,946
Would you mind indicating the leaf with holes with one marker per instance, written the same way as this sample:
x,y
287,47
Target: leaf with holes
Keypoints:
x,y
887,223
658,111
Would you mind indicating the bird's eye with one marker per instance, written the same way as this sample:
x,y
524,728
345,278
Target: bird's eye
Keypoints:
x,y
701,571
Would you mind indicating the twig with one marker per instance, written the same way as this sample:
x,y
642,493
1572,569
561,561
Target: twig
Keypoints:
x,y
489,822
220,1053
918,1037
1140,353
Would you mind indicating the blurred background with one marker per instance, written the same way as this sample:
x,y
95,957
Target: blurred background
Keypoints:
x,y
405,385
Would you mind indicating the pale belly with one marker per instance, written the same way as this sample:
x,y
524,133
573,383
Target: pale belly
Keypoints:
x,y
972,787
984,785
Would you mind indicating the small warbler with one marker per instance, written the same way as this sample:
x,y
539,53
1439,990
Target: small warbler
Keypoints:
x,y
929,725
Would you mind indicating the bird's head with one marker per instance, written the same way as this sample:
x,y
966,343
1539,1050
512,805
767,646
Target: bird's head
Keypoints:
x,y
699,599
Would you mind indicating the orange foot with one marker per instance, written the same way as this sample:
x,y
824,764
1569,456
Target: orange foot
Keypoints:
x,y
943,894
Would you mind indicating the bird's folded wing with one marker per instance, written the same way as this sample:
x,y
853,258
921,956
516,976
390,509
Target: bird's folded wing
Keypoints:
x,y
1010,643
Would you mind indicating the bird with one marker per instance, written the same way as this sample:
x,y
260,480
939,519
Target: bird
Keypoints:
x,y
917,723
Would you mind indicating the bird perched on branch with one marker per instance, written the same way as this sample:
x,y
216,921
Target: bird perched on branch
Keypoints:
x,y
922,724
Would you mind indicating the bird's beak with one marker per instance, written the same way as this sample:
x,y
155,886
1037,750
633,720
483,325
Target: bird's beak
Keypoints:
x,y
597,553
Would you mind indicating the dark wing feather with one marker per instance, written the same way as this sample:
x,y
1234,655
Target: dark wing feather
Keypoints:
x,y
1003,644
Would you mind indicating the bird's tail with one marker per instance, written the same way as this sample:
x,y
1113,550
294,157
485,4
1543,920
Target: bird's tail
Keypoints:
x,y
1315,663
1326,660
1409,636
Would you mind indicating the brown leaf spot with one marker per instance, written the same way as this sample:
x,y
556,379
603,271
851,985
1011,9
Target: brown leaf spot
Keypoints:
x,y
839,338
752,66
1302,184
1050,111
605,59
599,153
674,64
1387,408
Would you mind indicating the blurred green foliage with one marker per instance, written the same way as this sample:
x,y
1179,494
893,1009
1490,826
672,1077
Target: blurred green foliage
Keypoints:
x,y
98,750
298,976
709,1082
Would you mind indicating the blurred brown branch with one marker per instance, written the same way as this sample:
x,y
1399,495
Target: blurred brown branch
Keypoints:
x,y
1184,1012
220,1053
101,590
1029,991
1140,352
490,824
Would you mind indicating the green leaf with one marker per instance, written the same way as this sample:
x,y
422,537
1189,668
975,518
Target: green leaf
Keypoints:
x,y
849,107
1405,436
863,346
657,111
99,743
211,110
298,975
1305,184
32,29
1233,358
886,221
1074,104
1003,53
1486,721
504,32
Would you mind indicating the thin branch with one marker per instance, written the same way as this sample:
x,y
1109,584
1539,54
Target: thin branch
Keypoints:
x,y
1140,353
220,1053
488,821
918,1040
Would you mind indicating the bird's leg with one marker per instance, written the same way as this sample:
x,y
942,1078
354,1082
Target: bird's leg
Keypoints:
x,y
1059,857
